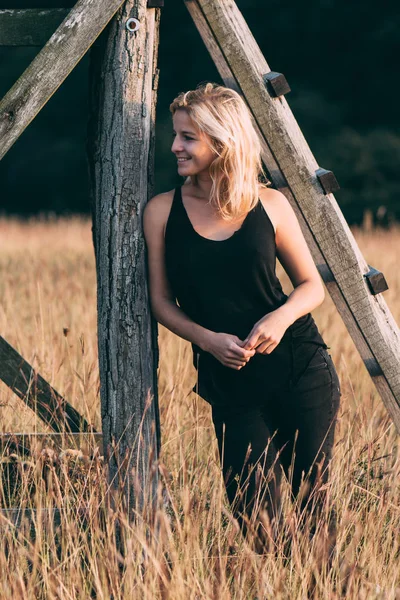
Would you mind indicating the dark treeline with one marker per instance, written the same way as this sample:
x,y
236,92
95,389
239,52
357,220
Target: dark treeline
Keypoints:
x,y
340,59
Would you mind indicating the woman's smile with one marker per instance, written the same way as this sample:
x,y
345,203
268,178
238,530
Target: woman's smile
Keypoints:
x,y
187,138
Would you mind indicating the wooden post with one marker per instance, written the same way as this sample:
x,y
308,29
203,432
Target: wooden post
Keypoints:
x,y
121,188
294,171
123,86
79,29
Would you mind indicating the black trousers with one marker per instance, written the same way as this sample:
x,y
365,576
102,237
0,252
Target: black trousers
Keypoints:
x,y
265,422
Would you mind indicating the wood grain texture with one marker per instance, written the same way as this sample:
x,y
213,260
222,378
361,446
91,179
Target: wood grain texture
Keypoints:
x,y
123,85
292,168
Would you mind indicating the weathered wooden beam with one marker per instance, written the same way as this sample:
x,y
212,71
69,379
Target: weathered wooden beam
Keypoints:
x,y
29,26
120,142
24,381
51,66
293,170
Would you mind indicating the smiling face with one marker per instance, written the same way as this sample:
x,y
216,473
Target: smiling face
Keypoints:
x,y
190,144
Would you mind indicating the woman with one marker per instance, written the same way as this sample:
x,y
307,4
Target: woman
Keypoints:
x,y
262,364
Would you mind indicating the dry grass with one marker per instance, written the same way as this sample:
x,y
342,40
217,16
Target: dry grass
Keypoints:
x,y
48,313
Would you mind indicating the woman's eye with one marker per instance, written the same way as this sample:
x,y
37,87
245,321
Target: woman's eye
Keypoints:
x,y
185,136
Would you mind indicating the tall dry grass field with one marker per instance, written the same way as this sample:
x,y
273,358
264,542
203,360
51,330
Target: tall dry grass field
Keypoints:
x,y
48,313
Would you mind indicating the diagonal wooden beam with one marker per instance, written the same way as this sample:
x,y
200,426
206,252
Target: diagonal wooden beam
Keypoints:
x,y
38,394
294,170
51,66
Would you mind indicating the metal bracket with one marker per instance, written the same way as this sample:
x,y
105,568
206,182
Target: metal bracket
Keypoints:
x,y
276,83
376,281
155,3
327,180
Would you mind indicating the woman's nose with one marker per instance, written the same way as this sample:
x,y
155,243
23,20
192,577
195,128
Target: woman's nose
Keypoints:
x,y
176,145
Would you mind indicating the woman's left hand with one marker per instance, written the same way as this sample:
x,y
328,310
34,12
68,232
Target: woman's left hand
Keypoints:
x,y
266,333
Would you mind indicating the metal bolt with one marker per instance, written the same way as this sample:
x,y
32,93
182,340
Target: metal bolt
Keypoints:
x,y
132,24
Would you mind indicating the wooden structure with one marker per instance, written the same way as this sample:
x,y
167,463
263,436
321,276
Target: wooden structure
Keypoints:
x,y
354,286
38,394
123,83
128,377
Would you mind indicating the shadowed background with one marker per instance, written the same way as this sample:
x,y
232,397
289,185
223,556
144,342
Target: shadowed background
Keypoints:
x,y
340,60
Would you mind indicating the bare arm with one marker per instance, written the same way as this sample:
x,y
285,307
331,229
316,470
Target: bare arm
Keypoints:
x,y
163,304
296,259
172,316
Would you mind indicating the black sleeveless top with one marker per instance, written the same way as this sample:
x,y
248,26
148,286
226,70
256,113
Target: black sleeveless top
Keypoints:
x,y
228,285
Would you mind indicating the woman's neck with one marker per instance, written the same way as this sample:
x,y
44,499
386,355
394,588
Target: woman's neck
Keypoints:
x,y
201,186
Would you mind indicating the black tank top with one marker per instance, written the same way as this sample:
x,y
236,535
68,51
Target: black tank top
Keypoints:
x,y
228,285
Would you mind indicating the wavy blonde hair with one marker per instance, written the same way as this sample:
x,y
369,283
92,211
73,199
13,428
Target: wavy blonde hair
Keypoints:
x,y
221,114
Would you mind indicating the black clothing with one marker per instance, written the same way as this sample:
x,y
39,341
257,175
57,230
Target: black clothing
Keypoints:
x,y
227,286
309,407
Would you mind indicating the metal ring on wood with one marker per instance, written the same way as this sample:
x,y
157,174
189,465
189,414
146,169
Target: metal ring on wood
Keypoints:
x,y
132,24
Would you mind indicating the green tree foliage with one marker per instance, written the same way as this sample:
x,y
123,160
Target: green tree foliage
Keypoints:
x,y
340,59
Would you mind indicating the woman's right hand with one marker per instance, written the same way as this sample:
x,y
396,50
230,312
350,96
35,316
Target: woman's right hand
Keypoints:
x,y
225,348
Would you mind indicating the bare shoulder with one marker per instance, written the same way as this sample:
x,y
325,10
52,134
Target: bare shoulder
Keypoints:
x,y
156,211
160,204
155,216
275,205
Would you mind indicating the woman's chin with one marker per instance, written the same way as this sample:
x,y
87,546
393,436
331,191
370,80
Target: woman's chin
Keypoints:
x,y
186,171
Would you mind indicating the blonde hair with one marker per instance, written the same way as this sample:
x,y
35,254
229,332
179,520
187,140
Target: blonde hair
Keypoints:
x,y
222,114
